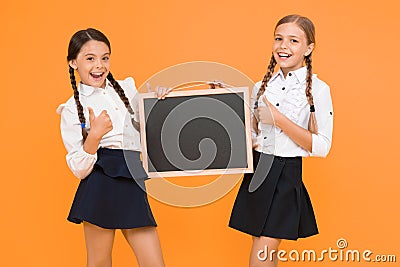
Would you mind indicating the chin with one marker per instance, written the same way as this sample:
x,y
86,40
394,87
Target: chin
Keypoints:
x,y
282,65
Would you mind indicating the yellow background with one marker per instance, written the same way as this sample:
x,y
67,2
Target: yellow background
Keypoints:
x,y
355,191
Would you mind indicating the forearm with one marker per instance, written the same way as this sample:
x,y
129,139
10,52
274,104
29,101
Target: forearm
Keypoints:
x,y
92,143
298,134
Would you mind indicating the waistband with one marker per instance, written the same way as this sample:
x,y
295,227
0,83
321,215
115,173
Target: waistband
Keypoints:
x,y
102,151
279,158
120,163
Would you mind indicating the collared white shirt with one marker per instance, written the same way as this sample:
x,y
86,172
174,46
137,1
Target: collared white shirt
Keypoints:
x,y
288,96
122,136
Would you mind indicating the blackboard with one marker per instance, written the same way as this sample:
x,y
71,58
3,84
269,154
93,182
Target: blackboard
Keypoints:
x,y
198,132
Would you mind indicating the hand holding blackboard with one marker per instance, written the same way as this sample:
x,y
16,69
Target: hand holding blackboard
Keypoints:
x,y
160,91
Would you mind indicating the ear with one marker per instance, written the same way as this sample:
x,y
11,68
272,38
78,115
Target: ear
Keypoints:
x,y
72,64
309,49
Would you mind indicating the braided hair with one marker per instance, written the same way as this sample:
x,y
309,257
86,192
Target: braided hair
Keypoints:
x,y
124,99
75,44
309,95
79,106
267,77
308,28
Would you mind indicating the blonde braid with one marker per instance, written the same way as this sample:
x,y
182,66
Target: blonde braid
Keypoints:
x,y
309,95
312,122
267,77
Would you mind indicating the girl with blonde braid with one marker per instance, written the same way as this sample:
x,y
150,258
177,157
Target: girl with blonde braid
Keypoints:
x,y
101,134
293,119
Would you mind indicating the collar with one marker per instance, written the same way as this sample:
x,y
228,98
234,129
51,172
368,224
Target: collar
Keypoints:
x,y
87,90
299,74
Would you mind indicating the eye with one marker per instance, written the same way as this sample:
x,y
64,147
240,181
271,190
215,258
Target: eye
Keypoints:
x,y
278,38
90,58
294,41
106,58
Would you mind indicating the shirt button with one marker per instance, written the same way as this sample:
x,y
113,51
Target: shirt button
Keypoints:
x,y
104,92
283,88
330,112
290,74
116,108
277,104
265,137
126,125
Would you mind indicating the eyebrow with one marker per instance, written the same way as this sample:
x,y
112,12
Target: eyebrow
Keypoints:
x,y
91,54
295,36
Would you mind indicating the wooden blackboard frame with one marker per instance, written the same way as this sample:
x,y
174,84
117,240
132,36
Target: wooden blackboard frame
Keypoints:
x,y
243,91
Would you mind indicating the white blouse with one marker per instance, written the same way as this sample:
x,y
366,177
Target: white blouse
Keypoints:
x,y
288,96
122,136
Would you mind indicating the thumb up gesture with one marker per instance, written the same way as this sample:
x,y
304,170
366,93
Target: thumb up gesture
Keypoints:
x,y
268,114
99,125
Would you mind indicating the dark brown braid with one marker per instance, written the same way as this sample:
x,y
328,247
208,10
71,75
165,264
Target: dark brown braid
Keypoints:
x,y
124,99
309,81
79,106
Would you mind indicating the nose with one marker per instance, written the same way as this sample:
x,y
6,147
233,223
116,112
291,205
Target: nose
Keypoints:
x,y
283,44
99,64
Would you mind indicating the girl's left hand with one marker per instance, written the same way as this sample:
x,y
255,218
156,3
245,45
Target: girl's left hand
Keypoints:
x,y
268,114
160,91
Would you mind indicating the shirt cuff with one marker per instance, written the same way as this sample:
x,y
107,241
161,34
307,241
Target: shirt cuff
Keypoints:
x,y
81,163
320,146
86,154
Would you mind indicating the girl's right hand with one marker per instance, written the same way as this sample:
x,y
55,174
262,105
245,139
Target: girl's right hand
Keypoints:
x,y
99,125
268,114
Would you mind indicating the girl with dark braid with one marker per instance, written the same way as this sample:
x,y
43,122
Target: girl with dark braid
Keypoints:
x,y
101,134
294,119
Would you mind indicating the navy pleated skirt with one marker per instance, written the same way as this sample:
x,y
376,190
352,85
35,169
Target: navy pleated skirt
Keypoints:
x,y
280,207
113,195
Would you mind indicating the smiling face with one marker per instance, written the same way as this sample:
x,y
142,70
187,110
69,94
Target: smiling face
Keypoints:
x,y
93,63
290,47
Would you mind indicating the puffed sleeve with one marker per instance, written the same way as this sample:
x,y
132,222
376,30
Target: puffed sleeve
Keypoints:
x,y
321,142
79,161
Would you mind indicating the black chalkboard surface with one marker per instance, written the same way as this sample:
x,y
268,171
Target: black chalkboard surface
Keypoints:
x,y
200,132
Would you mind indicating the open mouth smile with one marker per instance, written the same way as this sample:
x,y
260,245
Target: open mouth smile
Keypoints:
x,y
97,75
284,55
